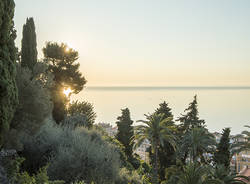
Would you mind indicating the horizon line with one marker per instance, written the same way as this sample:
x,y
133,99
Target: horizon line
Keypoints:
x,y
167,87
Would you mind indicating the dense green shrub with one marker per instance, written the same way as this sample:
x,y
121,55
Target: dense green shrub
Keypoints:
x,y
40,178
84,110
16,176
34,104
75,154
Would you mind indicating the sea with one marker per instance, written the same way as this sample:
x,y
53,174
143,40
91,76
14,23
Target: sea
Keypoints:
x,y
220,107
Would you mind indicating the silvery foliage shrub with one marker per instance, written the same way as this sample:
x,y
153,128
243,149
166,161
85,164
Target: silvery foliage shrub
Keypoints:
x,y
75,121
74,154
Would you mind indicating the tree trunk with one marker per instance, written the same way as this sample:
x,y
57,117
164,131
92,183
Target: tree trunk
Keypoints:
x,y
155,176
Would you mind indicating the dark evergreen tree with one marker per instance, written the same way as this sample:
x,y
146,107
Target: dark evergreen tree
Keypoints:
x,y
62,64
188,121
164,109
222,155
191,118
29,51
8,53
125,132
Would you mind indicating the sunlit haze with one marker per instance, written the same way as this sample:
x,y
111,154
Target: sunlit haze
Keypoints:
x,y
67,91
148,43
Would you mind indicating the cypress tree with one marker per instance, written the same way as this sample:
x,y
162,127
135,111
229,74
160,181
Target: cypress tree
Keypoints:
x,y
125,132
222,154
8,53
29,51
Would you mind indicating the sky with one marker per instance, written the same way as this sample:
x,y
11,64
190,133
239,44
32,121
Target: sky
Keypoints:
x,y
146,42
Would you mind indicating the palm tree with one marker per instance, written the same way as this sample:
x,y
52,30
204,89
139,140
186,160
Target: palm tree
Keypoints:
x,y
222,174
193,173
196,174
196,142
156,129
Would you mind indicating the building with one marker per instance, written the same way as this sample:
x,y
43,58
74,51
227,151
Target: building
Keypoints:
x,y
142,150
245,172
242,161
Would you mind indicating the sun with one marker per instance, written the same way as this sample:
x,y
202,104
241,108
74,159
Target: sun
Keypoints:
x,y
67,91
67,49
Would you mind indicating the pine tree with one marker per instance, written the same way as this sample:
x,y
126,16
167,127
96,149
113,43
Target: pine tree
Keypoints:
x,y
164,109
191,118
125,132
29,51
222,155
189,121
62,64
8,53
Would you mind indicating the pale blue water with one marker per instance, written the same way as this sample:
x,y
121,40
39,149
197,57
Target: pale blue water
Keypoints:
x,y
219,106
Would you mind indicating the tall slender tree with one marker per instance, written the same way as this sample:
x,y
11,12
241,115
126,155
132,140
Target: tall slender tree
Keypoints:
x,y
63,65
8,53
222,155
125,132
29,50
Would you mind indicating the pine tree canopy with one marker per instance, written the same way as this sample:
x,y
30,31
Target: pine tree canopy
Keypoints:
x,y
191,118
62,64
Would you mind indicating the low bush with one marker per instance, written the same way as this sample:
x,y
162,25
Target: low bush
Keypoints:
x,y
128,177
73,154
16,176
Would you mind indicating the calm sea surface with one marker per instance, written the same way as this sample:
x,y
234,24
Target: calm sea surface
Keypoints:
x,y
219,106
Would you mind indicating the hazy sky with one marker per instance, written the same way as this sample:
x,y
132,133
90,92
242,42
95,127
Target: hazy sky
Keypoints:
x,y
148,42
